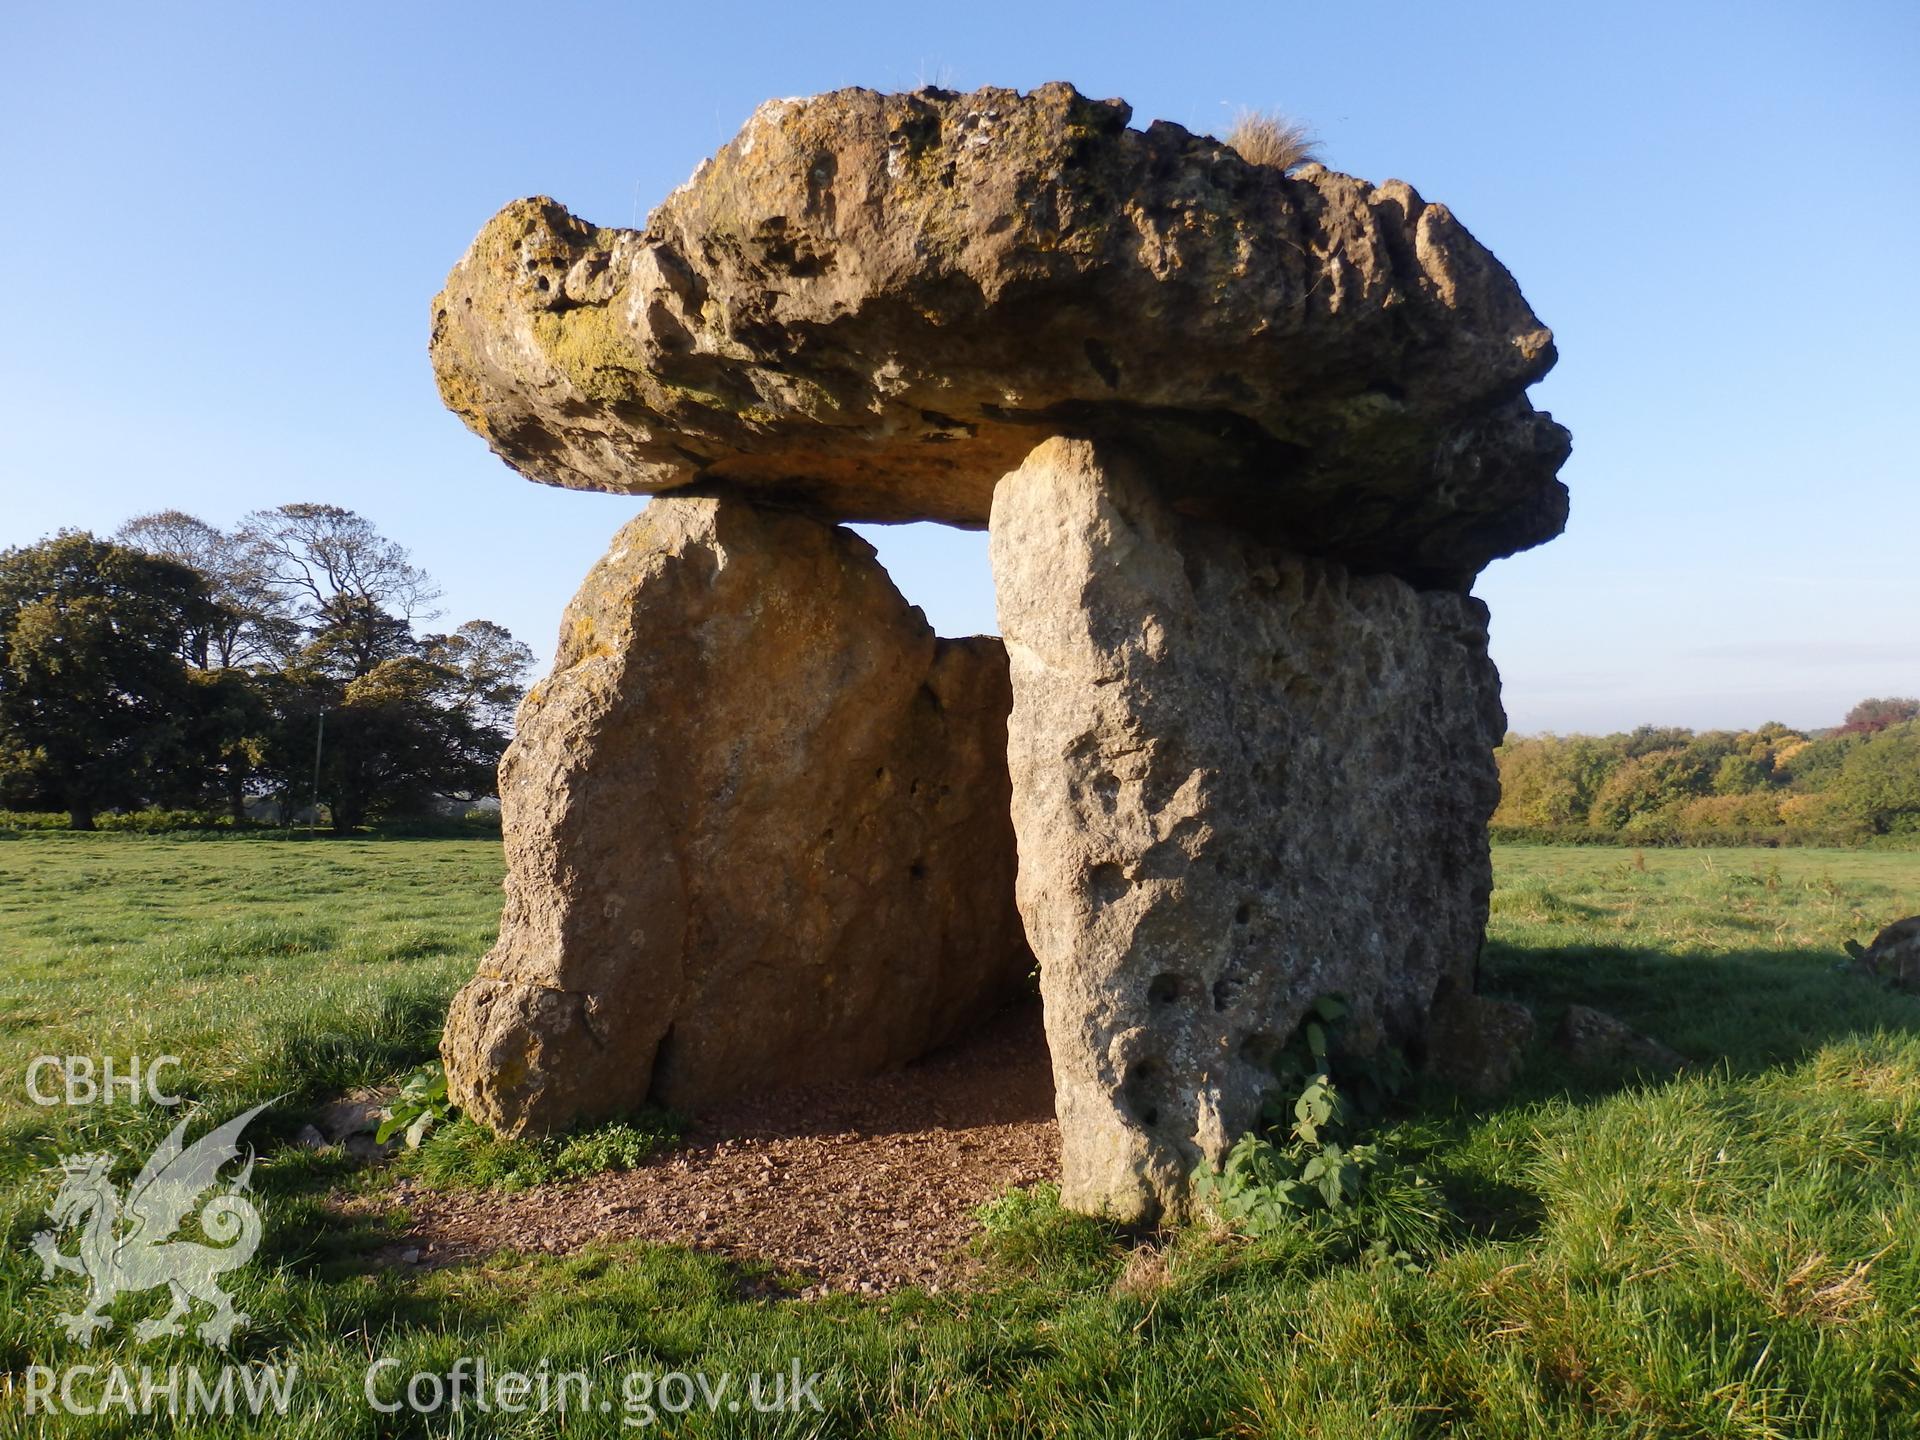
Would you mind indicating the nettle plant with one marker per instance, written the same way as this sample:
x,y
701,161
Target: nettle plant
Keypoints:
x,y
1317,1159
421,1104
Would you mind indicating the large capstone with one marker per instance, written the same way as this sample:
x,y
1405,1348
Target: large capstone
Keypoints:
x,y
1243,779
756,826
875,305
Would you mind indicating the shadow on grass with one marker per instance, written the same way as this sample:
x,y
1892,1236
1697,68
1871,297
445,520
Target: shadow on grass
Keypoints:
x,y
1740,1013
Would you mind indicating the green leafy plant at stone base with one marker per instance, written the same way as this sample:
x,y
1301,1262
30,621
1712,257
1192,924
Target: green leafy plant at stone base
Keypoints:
x,y
1028,1228
466,1155
421,1104
455,1152
1317,1161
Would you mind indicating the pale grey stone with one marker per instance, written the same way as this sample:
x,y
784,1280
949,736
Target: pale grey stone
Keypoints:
x,y
1242,779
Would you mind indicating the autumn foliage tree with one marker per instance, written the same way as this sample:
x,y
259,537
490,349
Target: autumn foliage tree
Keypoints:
x,y
1870,717
1860,779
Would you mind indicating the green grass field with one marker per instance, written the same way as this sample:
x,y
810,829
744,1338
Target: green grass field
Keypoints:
x,y
1732,1253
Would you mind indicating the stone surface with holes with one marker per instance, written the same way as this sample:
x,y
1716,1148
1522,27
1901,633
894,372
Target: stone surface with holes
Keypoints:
x,y
1242,779
756,826
875,305
1894,956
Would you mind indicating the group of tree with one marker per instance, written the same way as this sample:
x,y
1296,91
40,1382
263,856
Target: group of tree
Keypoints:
x,y
182,666
1858,780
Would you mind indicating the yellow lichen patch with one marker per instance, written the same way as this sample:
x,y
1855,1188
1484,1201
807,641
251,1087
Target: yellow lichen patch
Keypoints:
x,y
586,346
465,399
581,641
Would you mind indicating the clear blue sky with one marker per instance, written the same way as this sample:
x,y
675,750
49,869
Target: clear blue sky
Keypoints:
x,y
223,225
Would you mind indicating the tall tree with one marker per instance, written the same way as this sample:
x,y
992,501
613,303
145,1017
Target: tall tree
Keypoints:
x,y
393,719
250,627
95,699
489,668
250,622
225,739
356,592
385,743
1879,784
1872,716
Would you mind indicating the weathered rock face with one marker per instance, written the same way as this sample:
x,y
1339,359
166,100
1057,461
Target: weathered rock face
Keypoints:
x,y
1894,955
875,305
1476,1043
1242,779
756,826
1243,439
1590,1037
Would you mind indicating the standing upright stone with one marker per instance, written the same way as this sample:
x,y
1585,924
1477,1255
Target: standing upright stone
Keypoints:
x,y
756,828
1242,779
